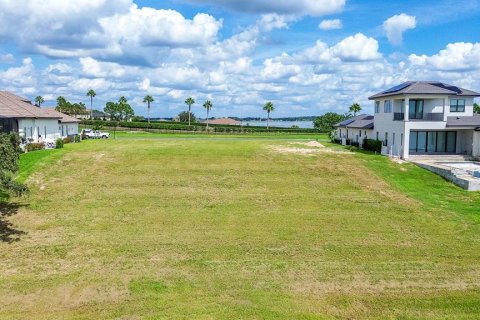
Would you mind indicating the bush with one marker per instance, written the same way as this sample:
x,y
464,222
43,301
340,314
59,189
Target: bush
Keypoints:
x,y
179,126
34,146
339,141
356,144
372,145
59,143
76,138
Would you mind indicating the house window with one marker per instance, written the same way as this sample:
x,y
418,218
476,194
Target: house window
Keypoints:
x,y
45,130
457,105
415,109
365,133
377,106
393,138
385,142
340,133
387,106
360,131
377,135
401,139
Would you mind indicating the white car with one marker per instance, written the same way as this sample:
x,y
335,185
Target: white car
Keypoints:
x,y
94,134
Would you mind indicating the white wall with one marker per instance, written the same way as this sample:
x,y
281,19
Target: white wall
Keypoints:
x,y
39,128
476,144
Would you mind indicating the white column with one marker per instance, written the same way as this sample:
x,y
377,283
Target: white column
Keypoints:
x,y
445,105
406,107
406,142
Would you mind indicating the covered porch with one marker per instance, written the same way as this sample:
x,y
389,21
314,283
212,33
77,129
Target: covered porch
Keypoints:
x,y
464,142
420,109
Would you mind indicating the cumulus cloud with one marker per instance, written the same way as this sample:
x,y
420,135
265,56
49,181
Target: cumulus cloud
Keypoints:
x,y
460,56
283,7
116,30
395,26
330,24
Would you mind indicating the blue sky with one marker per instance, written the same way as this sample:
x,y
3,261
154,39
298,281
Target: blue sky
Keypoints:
x,y
306,56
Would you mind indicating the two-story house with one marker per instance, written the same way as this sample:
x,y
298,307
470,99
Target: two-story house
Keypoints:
x,y
427,117
420,118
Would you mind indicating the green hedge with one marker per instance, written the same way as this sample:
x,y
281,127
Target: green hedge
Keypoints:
x,y
372,145
178,126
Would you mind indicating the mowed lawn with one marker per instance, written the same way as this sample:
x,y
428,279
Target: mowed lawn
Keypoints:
x,y
235,229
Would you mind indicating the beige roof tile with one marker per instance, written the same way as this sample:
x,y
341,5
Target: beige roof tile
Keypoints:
x,y
13,106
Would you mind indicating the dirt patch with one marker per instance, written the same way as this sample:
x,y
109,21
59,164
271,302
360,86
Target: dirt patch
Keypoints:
x,y
305,148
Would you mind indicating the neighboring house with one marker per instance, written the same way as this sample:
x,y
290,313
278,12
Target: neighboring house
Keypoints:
x,y
427,117
95,114
224,121
19,115
67,125
422,118
355,129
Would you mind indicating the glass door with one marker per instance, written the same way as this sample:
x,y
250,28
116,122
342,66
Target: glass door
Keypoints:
x,y
431,142
415,109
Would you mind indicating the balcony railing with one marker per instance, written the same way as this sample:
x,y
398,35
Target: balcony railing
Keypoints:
x,y
400,116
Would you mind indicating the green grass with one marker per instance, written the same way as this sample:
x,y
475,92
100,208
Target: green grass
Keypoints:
x,y
238,229
202,135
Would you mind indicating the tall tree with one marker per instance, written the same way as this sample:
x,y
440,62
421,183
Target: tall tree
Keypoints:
x,y
208,106
269,108
91,93
39,100
355,108
476,108
189,102
325,122
148,99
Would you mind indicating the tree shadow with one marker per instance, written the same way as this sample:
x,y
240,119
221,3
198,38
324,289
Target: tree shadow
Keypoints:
x,y
8,232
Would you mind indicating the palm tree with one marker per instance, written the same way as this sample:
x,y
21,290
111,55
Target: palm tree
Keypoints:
x,y
355,108
269,108
39,100
148,99
208,106
189,102
91,93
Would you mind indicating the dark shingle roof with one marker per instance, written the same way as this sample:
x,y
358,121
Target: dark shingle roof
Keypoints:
x,y
471,122
362,121
426,87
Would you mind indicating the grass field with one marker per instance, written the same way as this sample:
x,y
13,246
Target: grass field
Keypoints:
x,y
168,228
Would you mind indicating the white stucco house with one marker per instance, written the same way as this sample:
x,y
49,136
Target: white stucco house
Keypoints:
x,y
19,115
421,118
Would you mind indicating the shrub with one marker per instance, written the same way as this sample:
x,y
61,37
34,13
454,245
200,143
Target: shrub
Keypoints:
x,y
67,140
372,145
339,141
34,146
356,144
59,143
76,138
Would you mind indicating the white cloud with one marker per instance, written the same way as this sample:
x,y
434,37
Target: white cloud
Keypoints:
x,y
288,7
395,26
7,58
357,48
330,24
116,30
460,56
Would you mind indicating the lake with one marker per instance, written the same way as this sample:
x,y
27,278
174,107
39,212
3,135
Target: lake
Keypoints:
x,y
282,124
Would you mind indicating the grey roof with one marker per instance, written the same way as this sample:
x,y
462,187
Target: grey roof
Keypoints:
x,y
426,87
13,106
362,121
469,122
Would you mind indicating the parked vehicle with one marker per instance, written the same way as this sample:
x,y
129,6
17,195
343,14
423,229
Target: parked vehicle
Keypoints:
x,y
94,134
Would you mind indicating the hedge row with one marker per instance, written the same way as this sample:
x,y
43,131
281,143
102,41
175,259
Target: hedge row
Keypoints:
x,y
194,127
372,145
